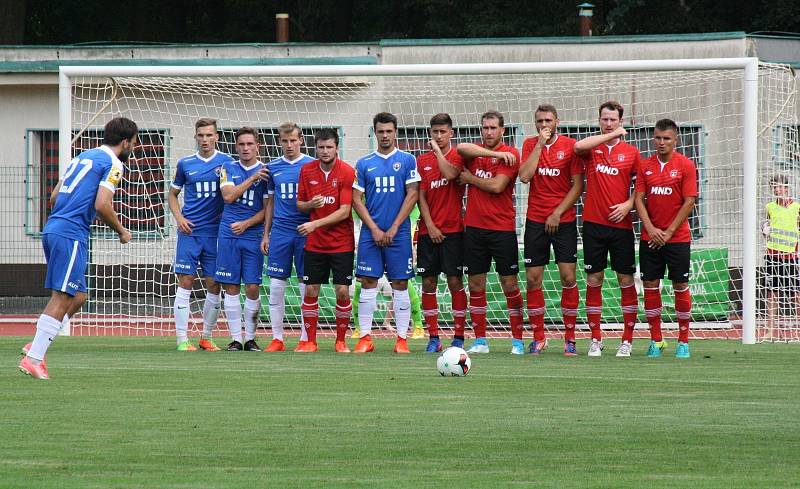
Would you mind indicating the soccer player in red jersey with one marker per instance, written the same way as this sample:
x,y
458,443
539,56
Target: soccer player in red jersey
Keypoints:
x,y
666,188
440,246
556,178
610,164
326,192
490,229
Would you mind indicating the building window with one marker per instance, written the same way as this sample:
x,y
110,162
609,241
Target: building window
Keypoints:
x,y
140,198
690,145
270,141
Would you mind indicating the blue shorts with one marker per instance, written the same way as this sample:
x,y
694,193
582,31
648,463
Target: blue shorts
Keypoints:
x,y
240,261
66,264
282,248
192,250
396,260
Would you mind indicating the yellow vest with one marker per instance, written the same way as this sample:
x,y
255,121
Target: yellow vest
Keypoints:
x,y
783,232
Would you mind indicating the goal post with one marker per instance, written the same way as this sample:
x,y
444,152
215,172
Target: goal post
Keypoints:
x,y
718,99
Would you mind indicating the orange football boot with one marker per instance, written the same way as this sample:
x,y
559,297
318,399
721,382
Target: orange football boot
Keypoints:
x,y
275,345
364,345
35,371
401,346
307,347
341,347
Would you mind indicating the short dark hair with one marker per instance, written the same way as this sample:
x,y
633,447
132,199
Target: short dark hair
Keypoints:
x,y
247,130
205,122
611,105
325,134
442,119
666,125
493,114
384,118
779,179
547,108
119,129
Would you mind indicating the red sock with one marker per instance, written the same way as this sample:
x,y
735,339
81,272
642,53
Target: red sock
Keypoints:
x,y
514,304
683,309
310,311
459,312
569,310
594,309
344,311
536,313
652,309
630,305
430,310
477,312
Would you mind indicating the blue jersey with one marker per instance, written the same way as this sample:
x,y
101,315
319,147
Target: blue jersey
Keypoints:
x,y
283,184
202,200
74,211
246,206
383,179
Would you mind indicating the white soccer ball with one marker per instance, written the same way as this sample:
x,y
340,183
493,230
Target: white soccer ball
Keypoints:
x,y
453,362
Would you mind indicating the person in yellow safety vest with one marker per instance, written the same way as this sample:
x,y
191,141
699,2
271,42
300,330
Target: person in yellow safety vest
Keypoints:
x,y
781,230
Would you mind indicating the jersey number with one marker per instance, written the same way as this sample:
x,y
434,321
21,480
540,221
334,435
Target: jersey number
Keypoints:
x,y
69,185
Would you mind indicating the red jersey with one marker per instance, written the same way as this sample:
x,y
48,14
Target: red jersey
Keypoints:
x,y
486,210
609,170
444,197
553,178
337,188
664,190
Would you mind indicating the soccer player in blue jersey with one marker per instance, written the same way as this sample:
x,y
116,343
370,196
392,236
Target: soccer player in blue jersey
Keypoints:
x,y
85,190
198,224
388,181
282,243
239,259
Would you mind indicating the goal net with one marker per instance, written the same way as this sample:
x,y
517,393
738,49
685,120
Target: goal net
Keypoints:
x,y
132,286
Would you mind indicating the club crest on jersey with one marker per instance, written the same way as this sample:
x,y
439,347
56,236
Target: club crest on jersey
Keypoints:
x,y
673,173
335,182
218,170
560,155
396,167
620,157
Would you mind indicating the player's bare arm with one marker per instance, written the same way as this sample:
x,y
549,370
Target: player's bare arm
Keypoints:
x,y
269,209
54,193
554,219
494,185
230,193
529,167
241,226
447,170
105,211
680,217
412,195
656,235
184,224
470,151
425,212
589,143
339,215
366,219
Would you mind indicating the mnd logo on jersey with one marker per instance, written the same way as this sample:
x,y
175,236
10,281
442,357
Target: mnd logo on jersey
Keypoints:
x,y
549,172
440,183
328,199
483,173
608,170
660,190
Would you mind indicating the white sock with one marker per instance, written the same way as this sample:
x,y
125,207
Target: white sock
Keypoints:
x,y
402,311
233,313
65,322
366,309
277,307
181,310
251,307
210,313
46,331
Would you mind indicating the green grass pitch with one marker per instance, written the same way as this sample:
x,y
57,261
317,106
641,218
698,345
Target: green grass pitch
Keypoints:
x,y
132,412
